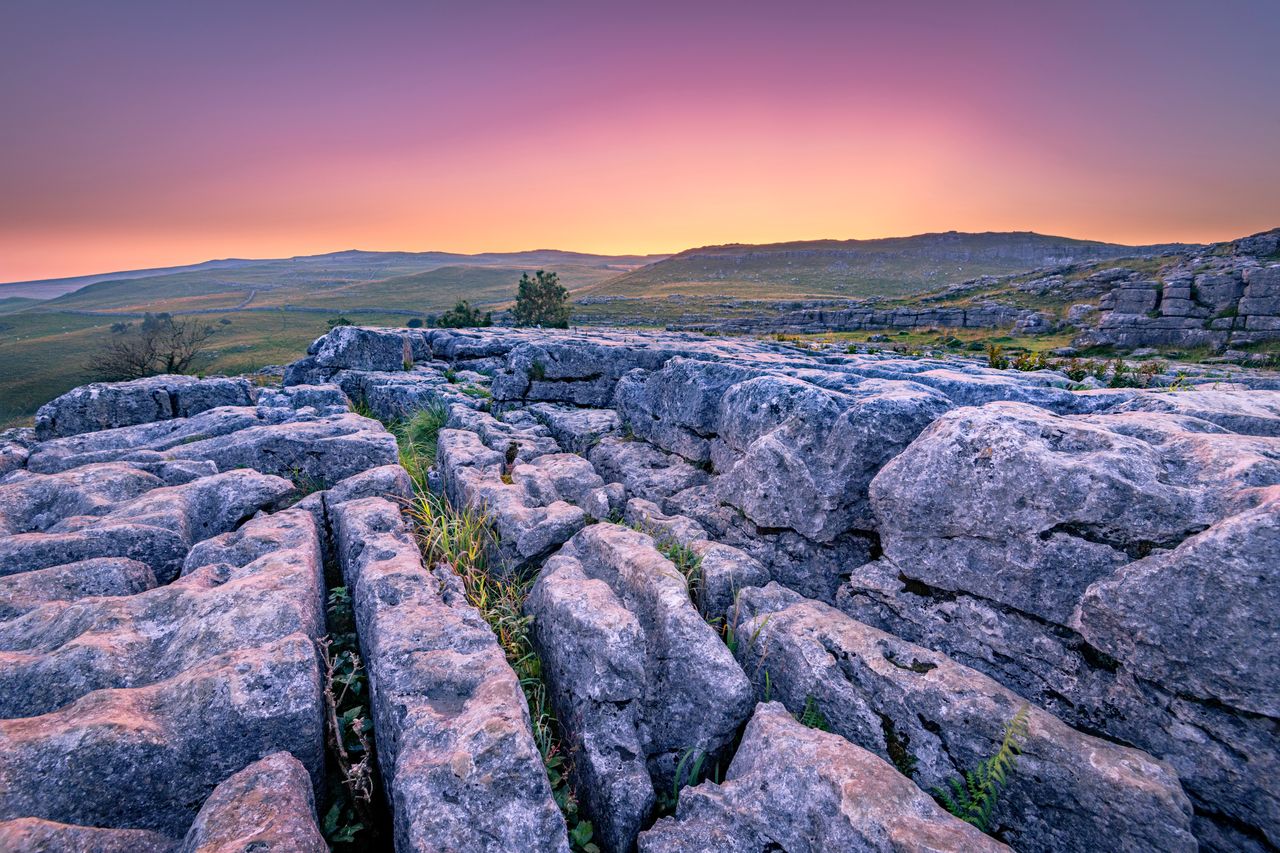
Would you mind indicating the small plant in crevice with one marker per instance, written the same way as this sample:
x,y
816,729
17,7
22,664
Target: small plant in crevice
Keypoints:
x,y
687,563
462,539
362,408
898,745
811,716
416,436
973,798
690,770
306,483
352,821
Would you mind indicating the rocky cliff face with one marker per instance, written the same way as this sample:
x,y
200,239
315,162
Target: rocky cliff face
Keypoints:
x,y
827,581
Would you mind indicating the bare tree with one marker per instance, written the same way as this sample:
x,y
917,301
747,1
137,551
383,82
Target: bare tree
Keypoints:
x,y
160,344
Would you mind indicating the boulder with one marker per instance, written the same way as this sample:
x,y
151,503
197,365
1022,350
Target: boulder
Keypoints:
x,y
354,348
107,405
802,790
266,806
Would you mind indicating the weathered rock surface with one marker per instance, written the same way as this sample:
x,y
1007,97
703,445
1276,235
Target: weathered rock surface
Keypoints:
x,y
799,789
266,806
33,835
146,757
935,720
637,677
155,528
454,744
104,405
106,576
989,535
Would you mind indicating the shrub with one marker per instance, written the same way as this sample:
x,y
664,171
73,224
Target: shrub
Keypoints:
x,y
996,357
414,323
463,316
542,301
160,344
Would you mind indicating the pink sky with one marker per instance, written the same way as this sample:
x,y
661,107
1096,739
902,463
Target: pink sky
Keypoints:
x,y
142,134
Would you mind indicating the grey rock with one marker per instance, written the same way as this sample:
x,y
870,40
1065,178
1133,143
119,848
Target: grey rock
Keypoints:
x,y
260,583
805,455
106,405
109,576
33,835
454,743
576,430
646,516
322,451
643,470
696,694
155,528
526,530
936,719
802,790
361,349
146,757
31,502
726,571
266,806
145,442
592,650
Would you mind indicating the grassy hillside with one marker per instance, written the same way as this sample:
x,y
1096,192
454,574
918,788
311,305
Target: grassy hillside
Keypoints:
x,y
276,308
850,268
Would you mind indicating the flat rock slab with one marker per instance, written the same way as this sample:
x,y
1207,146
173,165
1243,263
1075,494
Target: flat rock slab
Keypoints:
x,y
105,405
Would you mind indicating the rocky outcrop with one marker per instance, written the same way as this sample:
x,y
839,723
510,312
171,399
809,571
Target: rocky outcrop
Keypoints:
x,y
803,790
1122,548
1100,564
638,679
105,405
455,748
935,719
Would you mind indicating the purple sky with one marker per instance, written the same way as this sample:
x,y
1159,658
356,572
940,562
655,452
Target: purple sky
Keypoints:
x,y
147,133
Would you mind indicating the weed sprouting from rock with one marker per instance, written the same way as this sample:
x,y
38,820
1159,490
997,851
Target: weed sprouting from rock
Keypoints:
x,y
462,539
973,798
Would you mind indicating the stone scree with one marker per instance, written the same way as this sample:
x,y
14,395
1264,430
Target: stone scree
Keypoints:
x,y
724,536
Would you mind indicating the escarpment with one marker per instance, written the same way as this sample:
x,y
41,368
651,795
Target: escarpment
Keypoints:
x,y
511,589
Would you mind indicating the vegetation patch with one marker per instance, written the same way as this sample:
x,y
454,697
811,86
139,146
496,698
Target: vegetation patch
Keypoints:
x,y
462,539
973,798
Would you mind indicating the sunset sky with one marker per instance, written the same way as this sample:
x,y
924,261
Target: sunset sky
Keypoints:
x,y
137,134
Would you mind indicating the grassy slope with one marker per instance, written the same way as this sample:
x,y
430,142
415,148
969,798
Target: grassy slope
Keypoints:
x,y
850,268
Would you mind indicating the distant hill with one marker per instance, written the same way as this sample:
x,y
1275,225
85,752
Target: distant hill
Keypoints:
x,y
347,267
892,266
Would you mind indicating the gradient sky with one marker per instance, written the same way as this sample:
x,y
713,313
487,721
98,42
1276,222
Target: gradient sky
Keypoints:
x,y
138,134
